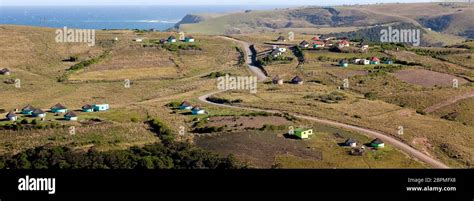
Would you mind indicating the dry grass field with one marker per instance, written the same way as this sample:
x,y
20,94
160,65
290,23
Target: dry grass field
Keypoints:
x,y
381,98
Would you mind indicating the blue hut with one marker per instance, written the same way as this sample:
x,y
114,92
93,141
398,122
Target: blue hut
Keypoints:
x,y
58,108
101,107
87,108
27,110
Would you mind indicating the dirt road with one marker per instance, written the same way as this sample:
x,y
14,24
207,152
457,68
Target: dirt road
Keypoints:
x,y
375,134
254,69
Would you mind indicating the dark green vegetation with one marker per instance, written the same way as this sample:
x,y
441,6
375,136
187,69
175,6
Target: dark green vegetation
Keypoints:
x,y
333,97
156,156
81,65
269,59
372,35
169,154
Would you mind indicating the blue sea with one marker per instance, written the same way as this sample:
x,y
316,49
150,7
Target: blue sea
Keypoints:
x,y
109,17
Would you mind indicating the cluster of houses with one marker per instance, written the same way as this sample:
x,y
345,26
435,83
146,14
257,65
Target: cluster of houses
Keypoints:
x,y
316,42
5,71
56,109
376,143
170,39
373,61
195,110
280,81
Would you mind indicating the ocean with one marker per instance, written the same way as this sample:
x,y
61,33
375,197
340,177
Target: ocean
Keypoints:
x,y
109,17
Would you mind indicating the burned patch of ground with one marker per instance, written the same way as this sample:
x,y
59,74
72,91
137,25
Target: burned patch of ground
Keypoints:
x,y
257,148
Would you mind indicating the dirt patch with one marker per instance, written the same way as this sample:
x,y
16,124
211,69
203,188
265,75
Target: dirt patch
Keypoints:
x,y
423,143
247,122
405,113
427,78
257,148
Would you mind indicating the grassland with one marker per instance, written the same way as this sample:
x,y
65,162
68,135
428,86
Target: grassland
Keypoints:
x,y
375,99
266,149
160,75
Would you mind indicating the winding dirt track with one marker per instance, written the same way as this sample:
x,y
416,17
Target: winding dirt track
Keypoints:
x,y
386,138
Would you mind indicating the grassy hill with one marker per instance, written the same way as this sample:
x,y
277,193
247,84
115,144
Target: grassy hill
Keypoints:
x,y
444,18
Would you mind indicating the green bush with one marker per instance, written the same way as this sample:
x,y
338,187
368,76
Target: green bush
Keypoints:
x,y
419,111
370,95
333,97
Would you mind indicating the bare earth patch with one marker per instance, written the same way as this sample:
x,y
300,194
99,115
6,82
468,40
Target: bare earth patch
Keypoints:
x,y
423,143
427,78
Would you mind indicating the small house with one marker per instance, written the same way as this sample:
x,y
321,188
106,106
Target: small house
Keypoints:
x,y
11,116
343,63
343,43
297,80
185,105
197,110
277,80
350,143
171,39
318,44
5,71
375,61
116,39
356,61
364,62
87,108
388,61
138,39
101,107
27,110
364,47
303,133
38,113
304,44
70,116
281,39
189,39
58,108
316,38
377,143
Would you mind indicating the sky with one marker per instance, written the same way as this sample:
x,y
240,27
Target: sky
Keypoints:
x,y
193,2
